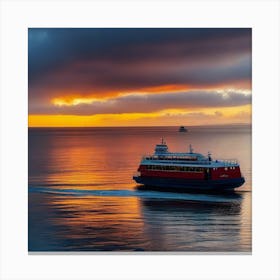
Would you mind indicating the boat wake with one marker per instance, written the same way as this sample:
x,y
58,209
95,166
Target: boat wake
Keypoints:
x,y
149,194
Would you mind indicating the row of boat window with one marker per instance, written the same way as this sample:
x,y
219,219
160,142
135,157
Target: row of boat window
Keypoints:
x,y
176,168
231,167
226,168
171,158
181,168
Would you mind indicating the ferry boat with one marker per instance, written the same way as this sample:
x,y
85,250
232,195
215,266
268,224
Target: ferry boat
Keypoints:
x,y
190,171
182,129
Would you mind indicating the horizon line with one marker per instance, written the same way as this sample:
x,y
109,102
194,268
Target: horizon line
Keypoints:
x,y
130,126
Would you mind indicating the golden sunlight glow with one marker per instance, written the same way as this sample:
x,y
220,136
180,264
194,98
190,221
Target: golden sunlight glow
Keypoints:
x,y
225,111
86,121
73,101
239,114
166,88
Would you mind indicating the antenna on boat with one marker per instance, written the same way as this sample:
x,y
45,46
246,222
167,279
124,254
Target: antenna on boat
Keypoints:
x,y
162,141
209,156
191,149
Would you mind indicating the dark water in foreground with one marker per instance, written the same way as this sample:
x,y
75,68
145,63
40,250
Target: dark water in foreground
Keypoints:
x,y
82,196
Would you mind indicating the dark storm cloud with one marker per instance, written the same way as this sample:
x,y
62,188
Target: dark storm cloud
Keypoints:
x,y
97,79
54,47
94,61
151,103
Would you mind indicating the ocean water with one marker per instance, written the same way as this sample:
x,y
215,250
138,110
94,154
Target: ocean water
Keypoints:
x,y
81,196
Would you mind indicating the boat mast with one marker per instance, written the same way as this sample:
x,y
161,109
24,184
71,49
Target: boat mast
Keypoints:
x,y
191,149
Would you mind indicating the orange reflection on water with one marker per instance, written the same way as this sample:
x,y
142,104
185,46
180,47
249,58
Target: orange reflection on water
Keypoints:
x,y
74,162
84,162
100,219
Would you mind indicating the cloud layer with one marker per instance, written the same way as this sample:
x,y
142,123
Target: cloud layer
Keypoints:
x,y
140,103
110,65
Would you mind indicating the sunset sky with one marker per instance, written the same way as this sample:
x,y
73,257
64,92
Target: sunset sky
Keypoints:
x,y
138,76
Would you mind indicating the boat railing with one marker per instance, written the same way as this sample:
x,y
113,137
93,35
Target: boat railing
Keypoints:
x,y
159,157
227,161
177,159
188,160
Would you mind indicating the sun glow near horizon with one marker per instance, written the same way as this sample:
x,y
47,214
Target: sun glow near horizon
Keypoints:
x,y
241,114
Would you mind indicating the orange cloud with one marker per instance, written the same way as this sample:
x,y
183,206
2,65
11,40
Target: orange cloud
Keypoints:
x,y
73,99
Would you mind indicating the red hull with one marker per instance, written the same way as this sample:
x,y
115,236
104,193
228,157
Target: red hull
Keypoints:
x,y
213,173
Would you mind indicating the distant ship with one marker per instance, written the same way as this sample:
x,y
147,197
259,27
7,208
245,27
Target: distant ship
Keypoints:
x,y
182,129
190,171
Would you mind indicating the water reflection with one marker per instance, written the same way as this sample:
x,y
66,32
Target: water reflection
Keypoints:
x,y
197,225
148,221
87,223
82,196
181,206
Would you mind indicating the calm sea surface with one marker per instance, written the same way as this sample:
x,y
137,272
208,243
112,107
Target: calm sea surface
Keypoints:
x,y
81,195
